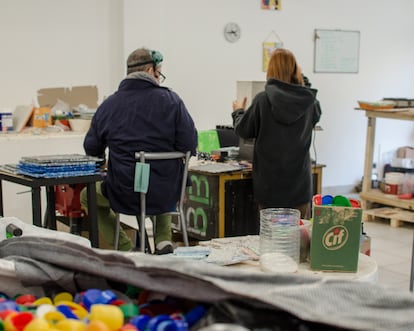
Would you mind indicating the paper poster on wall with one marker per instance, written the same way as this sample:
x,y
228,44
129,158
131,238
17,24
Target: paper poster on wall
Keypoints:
x,y
336,51
268,48
271,4
271,42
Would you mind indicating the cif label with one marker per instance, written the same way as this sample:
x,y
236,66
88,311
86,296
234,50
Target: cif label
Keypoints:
x,y
335,237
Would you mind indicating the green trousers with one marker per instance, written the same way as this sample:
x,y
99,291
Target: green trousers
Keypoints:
x,y
107,219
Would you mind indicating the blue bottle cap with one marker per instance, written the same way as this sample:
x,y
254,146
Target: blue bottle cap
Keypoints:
x,y
65,310
140,321
166,326
156,321
195,314
107,296
327,199
90,297
181,325
9,305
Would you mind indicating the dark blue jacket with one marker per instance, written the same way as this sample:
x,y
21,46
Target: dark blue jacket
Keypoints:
x,y
281,119
141,116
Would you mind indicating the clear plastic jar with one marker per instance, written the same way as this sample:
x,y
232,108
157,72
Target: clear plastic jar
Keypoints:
x,y
279,239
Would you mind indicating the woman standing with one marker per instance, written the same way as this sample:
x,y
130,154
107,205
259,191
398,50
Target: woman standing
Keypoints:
x,y
281,119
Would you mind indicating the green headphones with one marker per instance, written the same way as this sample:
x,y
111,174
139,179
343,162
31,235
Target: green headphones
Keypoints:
x,y
156,58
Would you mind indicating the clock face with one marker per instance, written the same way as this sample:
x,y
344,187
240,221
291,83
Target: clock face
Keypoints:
x,y
232,32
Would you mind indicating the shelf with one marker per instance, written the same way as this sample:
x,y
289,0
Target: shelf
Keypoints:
x,y
406,114
368,195
387,199
42,134
396,216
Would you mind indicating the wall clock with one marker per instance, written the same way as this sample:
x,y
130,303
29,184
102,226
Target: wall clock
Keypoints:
x,y
232,32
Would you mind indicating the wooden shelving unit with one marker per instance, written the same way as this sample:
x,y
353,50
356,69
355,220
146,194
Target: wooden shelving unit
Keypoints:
x,y
368,195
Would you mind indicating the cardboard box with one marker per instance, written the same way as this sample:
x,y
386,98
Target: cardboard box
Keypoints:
x,y
42,117
335,242
74,96
405,152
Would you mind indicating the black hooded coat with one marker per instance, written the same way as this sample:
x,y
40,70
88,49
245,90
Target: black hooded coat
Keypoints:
x,y
281,120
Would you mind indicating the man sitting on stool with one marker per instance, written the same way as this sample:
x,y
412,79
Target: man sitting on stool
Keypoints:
x,y
140,116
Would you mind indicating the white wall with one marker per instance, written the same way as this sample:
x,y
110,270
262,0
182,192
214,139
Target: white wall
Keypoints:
x,y
49,43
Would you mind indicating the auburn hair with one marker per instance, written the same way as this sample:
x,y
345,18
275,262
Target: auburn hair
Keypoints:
x,y
283,66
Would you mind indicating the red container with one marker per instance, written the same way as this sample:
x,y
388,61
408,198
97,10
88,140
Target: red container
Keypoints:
x,y
391,188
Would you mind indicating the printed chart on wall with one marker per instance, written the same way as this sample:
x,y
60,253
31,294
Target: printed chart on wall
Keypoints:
x,y
336,51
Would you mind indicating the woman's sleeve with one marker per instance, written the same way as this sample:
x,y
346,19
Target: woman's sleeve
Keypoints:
x,y
246,123
317,112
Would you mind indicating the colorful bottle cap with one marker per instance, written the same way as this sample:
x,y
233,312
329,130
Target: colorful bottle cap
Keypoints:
x,y
18,321
90,297
129,310
340,200
63,296
94,296
327,199
155,322
112,316
168,325
140,321
25,299
195,314
129,327
79,297
5,313
41,310
355,203
65,310
53,317
118,302
181,325
107,296
70,325
172,325
97,326
177,316
317,199
76,308
43,300
37,324
9,305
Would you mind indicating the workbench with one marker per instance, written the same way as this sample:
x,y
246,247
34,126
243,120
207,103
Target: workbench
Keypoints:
x,y
221,204
49,183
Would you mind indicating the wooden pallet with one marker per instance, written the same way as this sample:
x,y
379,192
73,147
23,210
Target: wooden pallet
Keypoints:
x,y
396,215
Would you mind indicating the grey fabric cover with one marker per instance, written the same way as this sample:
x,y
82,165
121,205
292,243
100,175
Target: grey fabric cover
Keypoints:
x,y
348,304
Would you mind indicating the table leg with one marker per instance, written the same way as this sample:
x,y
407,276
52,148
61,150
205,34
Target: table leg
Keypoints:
x,y
92,214
51,208
36,209
412,267
317,175
1,199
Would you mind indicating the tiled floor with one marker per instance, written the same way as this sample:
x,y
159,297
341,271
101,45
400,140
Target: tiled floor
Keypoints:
x,y
392,249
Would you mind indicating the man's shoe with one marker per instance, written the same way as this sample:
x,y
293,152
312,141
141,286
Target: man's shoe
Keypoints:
x,y
164,247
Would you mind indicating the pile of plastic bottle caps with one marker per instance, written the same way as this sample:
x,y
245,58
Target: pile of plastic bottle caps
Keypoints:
x,y
98,310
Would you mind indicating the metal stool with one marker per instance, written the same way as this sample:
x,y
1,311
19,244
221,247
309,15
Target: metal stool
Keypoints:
x,y
179,212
